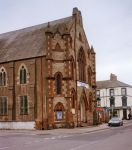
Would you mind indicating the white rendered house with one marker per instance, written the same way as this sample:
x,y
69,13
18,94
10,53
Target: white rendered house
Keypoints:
x,y
115,97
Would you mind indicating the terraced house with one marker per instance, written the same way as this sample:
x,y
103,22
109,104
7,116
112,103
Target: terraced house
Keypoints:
x,y
114,98
47,76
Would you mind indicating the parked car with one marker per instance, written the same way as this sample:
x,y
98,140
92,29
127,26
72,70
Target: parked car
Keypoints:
x,y
115,121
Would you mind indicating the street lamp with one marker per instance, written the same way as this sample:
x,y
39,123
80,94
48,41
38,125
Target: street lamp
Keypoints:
x,y
112,107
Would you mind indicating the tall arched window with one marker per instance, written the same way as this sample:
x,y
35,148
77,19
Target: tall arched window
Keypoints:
x,y
80,37
81,64
58,78
3,77
3,105
23,75
73,99
89,76
72,68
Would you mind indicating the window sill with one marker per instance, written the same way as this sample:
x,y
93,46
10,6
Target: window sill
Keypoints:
x,y
3,115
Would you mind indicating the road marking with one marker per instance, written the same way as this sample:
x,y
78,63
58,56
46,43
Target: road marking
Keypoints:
x,y
4,147
84,145
53,138
47,138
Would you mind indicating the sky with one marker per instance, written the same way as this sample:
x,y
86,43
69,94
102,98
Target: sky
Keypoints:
x,y
107,24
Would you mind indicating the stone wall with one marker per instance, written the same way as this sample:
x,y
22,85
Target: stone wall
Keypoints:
x,y
17,125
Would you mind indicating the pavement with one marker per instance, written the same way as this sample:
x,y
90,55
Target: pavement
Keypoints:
x,y
77,130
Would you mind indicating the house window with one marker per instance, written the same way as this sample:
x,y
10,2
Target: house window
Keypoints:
x,y
123,91
98,102
23,75
3,77
111,92
58,79
3,105
98,93
124,101
112,101
23,105
81,64
98,98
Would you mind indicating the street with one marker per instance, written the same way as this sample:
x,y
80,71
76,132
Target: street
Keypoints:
x,y
112,138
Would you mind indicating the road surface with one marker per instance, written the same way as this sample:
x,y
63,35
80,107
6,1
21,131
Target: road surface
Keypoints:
x,y
113,138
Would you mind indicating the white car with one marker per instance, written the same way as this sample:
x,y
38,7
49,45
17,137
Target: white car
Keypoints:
x,y
115,121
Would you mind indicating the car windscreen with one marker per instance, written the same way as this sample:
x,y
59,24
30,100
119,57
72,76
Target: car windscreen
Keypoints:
x,y
114,119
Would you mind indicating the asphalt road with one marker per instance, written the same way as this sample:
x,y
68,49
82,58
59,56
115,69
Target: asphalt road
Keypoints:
x,y
113,138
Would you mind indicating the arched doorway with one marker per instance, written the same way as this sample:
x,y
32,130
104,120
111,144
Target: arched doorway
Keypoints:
x,y
59,112
83,111
83,108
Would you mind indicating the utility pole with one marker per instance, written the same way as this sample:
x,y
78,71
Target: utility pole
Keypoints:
x,y
112,109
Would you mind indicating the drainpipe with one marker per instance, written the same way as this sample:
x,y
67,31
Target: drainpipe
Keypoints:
x,y
35,92
14,98
42,91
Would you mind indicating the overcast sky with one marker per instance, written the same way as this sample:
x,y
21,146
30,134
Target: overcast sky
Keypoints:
x,y
107,23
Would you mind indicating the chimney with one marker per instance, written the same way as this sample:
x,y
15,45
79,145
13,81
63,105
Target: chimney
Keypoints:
x,y
113,77
75,11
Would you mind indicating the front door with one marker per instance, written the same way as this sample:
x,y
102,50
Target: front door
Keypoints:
x,y
83,112
124,114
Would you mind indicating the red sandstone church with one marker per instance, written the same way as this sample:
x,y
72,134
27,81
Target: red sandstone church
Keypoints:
x,y
47,76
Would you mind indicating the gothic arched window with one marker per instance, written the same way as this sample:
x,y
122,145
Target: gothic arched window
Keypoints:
x,y
3,77
80,37
58,78
72,68
81,64
73,99
23,75
89,76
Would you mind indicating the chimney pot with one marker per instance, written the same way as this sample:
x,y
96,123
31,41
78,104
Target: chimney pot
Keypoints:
x,y
113,77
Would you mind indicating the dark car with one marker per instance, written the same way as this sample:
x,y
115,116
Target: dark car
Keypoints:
x,y
115,121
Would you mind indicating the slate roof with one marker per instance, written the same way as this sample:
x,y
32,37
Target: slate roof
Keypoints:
x,y
111,84
29,42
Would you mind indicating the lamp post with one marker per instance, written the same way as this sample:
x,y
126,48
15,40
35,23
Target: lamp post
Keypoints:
x,y
106,110
112,107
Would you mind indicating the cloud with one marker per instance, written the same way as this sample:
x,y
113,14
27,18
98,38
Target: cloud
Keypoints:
x,y
107,25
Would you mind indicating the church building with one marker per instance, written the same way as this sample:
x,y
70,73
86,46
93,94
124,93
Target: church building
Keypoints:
x,y
47,76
